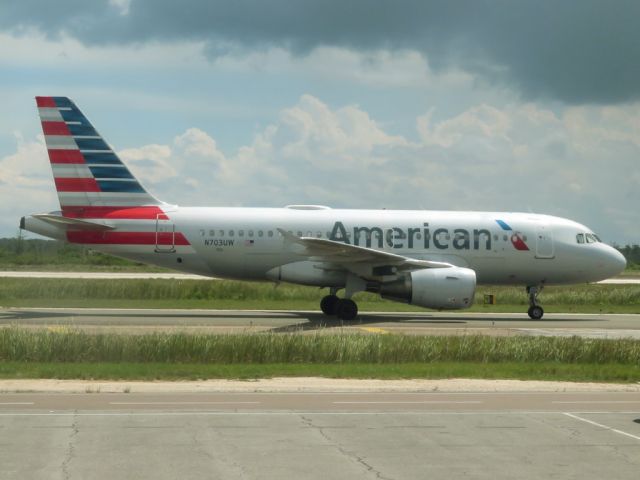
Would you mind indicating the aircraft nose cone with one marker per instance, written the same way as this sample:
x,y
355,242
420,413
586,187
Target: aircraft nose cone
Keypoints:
x,y
615,262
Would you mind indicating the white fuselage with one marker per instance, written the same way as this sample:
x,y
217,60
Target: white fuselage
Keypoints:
x,y
502,248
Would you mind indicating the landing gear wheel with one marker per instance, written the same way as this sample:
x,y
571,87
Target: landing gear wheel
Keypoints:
x,y
346,309
536,312
329,304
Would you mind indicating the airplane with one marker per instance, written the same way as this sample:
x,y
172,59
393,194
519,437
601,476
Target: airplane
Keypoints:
x,y
433,259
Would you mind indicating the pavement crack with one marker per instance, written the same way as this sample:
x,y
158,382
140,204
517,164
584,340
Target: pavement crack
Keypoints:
x,y
217,457
71,447
343,451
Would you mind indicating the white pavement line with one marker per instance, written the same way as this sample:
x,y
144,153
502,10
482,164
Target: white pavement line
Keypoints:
x,y
581,402
602,426
422,402
199,413
184,403
16,403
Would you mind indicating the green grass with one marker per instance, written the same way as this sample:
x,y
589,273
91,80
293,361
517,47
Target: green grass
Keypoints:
x,y
72,345
70,353
223,294
611,372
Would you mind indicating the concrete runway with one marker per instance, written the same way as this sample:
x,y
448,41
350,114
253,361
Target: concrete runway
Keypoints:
x,y
427,323
320,435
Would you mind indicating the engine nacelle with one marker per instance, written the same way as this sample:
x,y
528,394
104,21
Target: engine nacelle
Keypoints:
x,y
438,288
307,273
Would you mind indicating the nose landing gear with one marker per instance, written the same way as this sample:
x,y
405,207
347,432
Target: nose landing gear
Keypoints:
x,y
535,310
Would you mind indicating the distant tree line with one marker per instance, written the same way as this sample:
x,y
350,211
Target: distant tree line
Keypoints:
x,y
18,251
632,254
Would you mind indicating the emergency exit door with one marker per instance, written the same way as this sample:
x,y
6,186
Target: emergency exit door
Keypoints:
x,y
165,235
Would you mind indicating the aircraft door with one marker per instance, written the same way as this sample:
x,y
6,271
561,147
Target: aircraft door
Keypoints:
x,y
544,242
165,235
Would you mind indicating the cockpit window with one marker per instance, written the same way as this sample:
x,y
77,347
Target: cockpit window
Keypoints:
x,y
597,238
580,238
590,238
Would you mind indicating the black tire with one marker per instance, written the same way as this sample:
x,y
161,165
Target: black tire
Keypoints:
x,y
536,312
329,304
347,309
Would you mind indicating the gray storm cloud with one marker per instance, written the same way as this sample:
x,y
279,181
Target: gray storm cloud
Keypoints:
x,y
574,51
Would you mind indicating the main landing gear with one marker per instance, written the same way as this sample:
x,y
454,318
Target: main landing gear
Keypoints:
x,y
535,310
343,308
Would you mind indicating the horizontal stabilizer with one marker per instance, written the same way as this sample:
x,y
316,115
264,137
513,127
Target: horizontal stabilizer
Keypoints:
x,y
71,223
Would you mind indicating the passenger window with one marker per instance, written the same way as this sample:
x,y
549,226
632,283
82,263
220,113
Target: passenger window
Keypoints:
x,y
231,233
505,238
270,233
241,233
580,238
212,233
260,233
319,234
221,232
299,233
250,233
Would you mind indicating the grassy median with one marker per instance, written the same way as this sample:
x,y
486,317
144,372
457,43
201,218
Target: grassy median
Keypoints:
x,y
73,354
223,294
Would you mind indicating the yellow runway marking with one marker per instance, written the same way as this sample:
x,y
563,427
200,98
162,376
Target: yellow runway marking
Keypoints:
x,y
374,330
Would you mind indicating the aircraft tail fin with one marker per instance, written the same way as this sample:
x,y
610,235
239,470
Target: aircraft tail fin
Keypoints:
x,y
90,178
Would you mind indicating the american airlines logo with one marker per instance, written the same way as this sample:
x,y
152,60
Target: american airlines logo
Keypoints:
x,y
421,237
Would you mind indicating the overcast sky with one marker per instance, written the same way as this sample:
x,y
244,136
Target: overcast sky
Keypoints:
x,y
481,105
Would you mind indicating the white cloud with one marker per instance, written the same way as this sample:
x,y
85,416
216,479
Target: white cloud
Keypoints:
x,y
26,183
121,5
151,162
483,121
376,69
31,48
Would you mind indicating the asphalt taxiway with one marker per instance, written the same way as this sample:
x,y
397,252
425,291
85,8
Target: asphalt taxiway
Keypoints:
x,y
320,435
424,323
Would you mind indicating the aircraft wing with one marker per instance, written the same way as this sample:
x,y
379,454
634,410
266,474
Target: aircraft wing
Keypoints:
x,y
320,249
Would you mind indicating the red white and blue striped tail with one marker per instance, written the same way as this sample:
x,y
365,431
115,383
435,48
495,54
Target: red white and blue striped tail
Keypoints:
x,y
90,178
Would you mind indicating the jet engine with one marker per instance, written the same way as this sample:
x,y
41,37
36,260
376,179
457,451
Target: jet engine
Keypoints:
x,y
438,288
